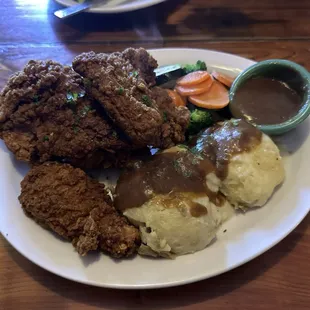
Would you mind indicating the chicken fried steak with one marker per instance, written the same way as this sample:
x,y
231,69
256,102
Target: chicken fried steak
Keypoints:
x,y
121,83
78,208
45,114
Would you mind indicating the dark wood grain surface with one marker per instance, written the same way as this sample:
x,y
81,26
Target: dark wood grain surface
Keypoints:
x,y
257,29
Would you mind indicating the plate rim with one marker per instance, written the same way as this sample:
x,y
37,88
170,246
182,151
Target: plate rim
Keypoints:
x,y
297,220
118,9
191,280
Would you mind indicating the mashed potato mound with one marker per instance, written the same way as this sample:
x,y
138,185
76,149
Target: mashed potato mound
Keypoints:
x,y
253,176
175,211
172,230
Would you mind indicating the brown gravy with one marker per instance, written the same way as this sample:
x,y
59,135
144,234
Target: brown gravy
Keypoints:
x,y
265,101
218,143
175,199
185,170
198,209
161,174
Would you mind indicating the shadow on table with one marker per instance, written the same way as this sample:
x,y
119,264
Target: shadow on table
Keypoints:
x,y
169,297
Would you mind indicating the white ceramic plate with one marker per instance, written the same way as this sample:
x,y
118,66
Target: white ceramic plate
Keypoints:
x,y
247,235
115,6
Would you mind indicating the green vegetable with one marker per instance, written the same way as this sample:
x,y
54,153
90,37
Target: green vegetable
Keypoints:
x,y
45,138
35,99
85,110
235,122
200,65
120,91
183,146
134,74
181,169
167,76
146,100
75,129
165,116
199,120
72,97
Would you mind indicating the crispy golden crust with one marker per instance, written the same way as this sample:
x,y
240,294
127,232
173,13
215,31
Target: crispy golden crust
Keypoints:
x,y
121,83
78,208
40,121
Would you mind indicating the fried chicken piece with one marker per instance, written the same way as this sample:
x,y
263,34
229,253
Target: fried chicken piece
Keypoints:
x,y
121,83
176,118
46,115
78,208
142,62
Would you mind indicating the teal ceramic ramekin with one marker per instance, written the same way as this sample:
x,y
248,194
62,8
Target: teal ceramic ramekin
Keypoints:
x,y
294,75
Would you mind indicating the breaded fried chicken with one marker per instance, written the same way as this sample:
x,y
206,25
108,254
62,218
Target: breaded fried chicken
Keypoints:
x,y
65,200
121,83
45,114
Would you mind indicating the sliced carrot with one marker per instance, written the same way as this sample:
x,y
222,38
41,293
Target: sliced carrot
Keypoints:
x,y
182,97
224,79
193,78
195,89
214,99
176,98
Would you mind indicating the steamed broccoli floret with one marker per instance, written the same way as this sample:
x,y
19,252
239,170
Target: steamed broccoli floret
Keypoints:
x,y
200,119
200,65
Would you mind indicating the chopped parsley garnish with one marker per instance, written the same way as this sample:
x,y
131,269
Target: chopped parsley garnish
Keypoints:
x,y
181,168
235,122
75,129
194,150
46,138
146,100
35,99
72,97
85,110
196,160
134,74
182,146
165,116
198,155
120,91
187,173
176,165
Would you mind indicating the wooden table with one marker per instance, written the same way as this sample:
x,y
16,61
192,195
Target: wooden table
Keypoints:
x,y
257,29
